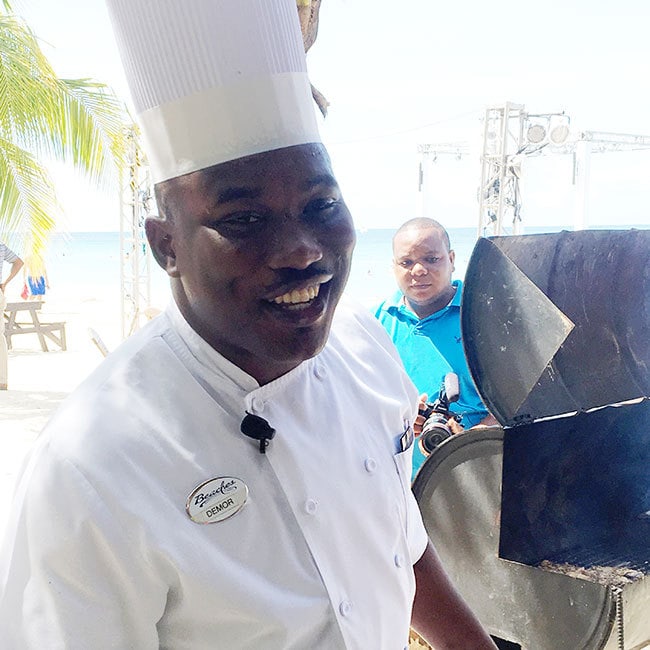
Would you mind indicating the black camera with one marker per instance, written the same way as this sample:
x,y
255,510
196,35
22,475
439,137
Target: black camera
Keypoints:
x,y
437,414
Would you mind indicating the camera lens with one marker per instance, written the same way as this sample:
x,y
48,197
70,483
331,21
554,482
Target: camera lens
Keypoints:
x,y
434,431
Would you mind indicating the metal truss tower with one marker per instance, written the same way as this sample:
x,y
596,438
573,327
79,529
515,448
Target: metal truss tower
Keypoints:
x,y
135,258
581,147
511,134
499,198
429,155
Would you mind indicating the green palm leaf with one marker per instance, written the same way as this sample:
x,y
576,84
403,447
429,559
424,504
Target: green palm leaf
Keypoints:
x,y
27,195
43,117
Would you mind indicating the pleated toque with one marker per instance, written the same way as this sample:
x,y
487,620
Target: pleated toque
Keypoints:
x,y
214,80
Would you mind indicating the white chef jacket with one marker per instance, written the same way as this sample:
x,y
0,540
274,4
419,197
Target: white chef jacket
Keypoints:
x,y
101,553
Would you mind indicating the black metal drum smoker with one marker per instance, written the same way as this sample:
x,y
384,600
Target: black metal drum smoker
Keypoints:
x,y
544,524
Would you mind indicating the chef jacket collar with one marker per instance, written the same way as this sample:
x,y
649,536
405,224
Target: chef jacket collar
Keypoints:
x,y
205,355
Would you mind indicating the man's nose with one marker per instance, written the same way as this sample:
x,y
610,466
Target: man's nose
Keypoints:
x,y
294,245
419,269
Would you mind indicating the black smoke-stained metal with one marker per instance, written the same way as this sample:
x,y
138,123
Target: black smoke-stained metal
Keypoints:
x,y
577,490
556,329
458,490
558,323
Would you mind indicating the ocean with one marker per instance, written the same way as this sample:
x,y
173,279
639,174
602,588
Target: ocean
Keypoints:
x,y
89,262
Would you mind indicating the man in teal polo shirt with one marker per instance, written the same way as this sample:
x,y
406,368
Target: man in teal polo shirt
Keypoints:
x,y
423,319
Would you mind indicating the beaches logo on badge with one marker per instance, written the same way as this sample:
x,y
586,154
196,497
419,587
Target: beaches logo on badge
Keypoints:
x,y
216,499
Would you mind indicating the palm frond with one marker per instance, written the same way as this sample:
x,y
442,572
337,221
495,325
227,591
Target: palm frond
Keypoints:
x,y
44,117
94,122
27,198
68,119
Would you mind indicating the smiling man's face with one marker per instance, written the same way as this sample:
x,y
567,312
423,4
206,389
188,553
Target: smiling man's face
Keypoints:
x,y
423,266
259,251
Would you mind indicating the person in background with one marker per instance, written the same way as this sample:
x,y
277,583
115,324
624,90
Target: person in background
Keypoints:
x,y
237,474
6,255
423,319
35,276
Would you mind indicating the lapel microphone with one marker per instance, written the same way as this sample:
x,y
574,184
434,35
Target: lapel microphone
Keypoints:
x,y
257,428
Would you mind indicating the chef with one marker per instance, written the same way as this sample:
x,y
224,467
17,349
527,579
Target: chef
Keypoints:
x,y
237,474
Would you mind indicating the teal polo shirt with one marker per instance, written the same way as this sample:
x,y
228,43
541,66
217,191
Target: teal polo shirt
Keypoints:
x,y
430,348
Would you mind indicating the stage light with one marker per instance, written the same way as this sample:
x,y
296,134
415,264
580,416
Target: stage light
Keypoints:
x,y
559,129
536,133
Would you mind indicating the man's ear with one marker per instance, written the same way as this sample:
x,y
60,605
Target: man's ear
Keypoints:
x,y
161,240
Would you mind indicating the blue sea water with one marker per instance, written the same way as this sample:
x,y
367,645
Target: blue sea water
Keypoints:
x,y
90,262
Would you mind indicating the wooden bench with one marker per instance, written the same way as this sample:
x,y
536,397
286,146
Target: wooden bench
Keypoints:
x,y
32,324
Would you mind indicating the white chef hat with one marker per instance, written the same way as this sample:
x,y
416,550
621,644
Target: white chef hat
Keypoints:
x,y
214,80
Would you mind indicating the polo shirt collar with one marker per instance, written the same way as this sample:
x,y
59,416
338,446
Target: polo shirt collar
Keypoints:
x,y
396,303
455,301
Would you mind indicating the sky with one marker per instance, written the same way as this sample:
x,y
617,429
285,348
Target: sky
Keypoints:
x,y
398,75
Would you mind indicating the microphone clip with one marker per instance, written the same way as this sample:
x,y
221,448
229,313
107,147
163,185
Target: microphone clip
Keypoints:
x,y
257,428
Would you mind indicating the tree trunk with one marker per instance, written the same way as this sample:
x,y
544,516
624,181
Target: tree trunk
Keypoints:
x,y
308,15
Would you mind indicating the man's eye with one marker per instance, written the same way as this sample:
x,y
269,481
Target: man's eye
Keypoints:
x,y
321,207
431,260
406,264
239,222
242,219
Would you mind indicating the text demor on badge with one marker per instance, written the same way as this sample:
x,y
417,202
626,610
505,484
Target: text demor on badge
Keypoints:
x,y
216,499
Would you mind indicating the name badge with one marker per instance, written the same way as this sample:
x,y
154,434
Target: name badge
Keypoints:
x,y
216,499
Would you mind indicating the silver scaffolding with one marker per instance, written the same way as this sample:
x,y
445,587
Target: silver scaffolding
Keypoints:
x,y
135,258
510,134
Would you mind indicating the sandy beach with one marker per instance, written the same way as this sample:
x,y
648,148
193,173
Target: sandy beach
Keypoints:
x,y
39,381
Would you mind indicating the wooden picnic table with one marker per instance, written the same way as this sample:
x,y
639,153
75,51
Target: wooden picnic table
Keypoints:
x,y
22,318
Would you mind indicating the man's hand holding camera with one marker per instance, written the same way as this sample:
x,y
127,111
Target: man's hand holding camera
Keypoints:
x,y
435,421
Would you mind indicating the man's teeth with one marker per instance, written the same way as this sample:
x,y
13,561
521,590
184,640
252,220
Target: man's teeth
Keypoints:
x,y
297,296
